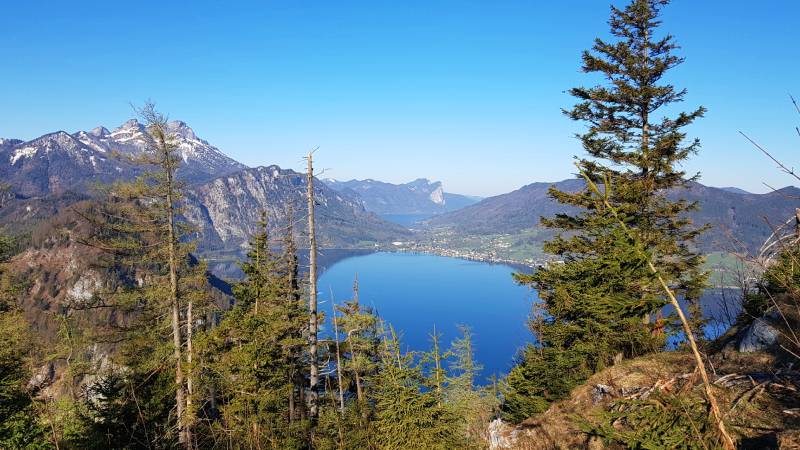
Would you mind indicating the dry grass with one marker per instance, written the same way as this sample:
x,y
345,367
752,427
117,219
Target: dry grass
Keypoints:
x,y
753,396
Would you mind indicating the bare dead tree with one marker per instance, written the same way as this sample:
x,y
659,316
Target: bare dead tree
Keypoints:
x,y
312,287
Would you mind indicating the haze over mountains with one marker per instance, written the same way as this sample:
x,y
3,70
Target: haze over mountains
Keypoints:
x,y
420,196
224,197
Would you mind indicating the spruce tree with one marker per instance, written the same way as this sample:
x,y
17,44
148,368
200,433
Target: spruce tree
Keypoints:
x,y
408,414
596,306
257,351
474,405
361,343
289,279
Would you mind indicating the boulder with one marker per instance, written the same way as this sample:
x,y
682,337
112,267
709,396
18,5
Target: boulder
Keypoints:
x,y
758,336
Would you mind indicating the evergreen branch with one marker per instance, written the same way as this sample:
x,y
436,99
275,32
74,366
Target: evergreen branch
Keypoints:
x,y
727,441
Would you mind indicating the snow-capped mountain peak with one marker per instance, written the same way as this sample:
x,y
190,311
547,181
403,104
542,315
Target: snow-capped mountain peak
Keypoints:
x,y
99,131
61,161
202,160
181,130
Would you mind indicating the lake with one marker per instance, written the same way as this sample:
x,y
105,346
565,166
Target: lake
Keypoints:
x,y
406,220
414,292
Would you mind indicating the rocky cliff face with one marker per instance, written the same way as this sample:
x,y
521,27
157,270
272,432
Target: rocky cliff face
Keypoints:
x,y
226,210
62,281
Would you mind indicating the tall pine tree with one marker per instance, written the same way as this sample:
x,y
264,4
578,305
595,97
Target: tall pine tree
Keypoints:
x,y
597,306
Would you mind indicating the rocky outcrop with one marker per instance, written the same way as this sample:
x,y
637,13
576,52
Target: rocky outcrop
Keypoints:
x,y
501,435
760,335
61,282
226,210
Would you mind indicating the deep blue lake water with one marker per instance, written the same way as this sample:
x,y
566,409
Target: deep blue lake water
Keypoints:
x,y
415,291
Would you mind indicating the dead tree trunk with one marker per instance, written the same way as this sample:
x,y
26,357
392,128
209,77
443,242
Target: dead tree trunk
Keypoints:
x,y
189,372
437,359
312,287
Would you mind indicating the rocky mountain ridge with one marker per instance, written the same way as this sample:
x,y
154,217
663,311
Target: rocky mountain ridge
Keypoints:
x,y
225,210
59,162
224,198
420,196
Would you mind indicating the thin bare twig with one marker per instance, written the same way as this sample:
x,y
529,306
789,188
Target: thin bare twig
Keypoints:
x,y
780,164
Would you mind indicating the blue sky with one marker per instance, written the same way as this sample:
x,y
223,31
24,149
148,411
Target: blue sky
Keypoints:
x,y
464,92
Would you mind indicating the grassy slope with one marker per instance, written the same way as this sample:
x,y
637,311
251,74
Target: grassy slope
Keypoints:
x,y
754,414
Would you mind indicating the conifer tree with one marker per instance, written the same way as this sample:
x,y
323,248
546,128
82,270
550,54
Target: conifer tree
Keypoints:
x,y
19,425
474,405
361,342
289,268
257,351
408,414
596,306
438,373
137,224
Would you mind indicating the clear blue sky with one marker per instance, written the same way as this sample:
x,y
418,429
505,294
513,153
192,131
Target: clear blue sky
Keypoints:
x,y
464,92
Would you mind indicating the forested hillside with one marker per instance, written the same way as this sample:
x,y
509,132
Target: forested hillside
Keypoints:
x,y
116,333
739,220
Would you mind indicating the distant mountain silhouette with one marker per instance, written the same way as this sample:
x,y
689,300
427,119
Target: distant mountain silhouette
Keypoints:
x,y
420,196
735,217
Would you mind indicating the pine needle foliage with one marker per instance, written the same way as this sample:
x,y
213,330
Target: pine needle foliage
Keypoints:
x,y
164,288
254,356
360,344
408,414
597,302
665,420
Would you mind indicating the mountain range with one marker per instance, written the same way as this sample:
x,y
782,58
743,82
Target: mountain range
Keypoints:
x,y
738,219
224,198
420,196
225,210
59,162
